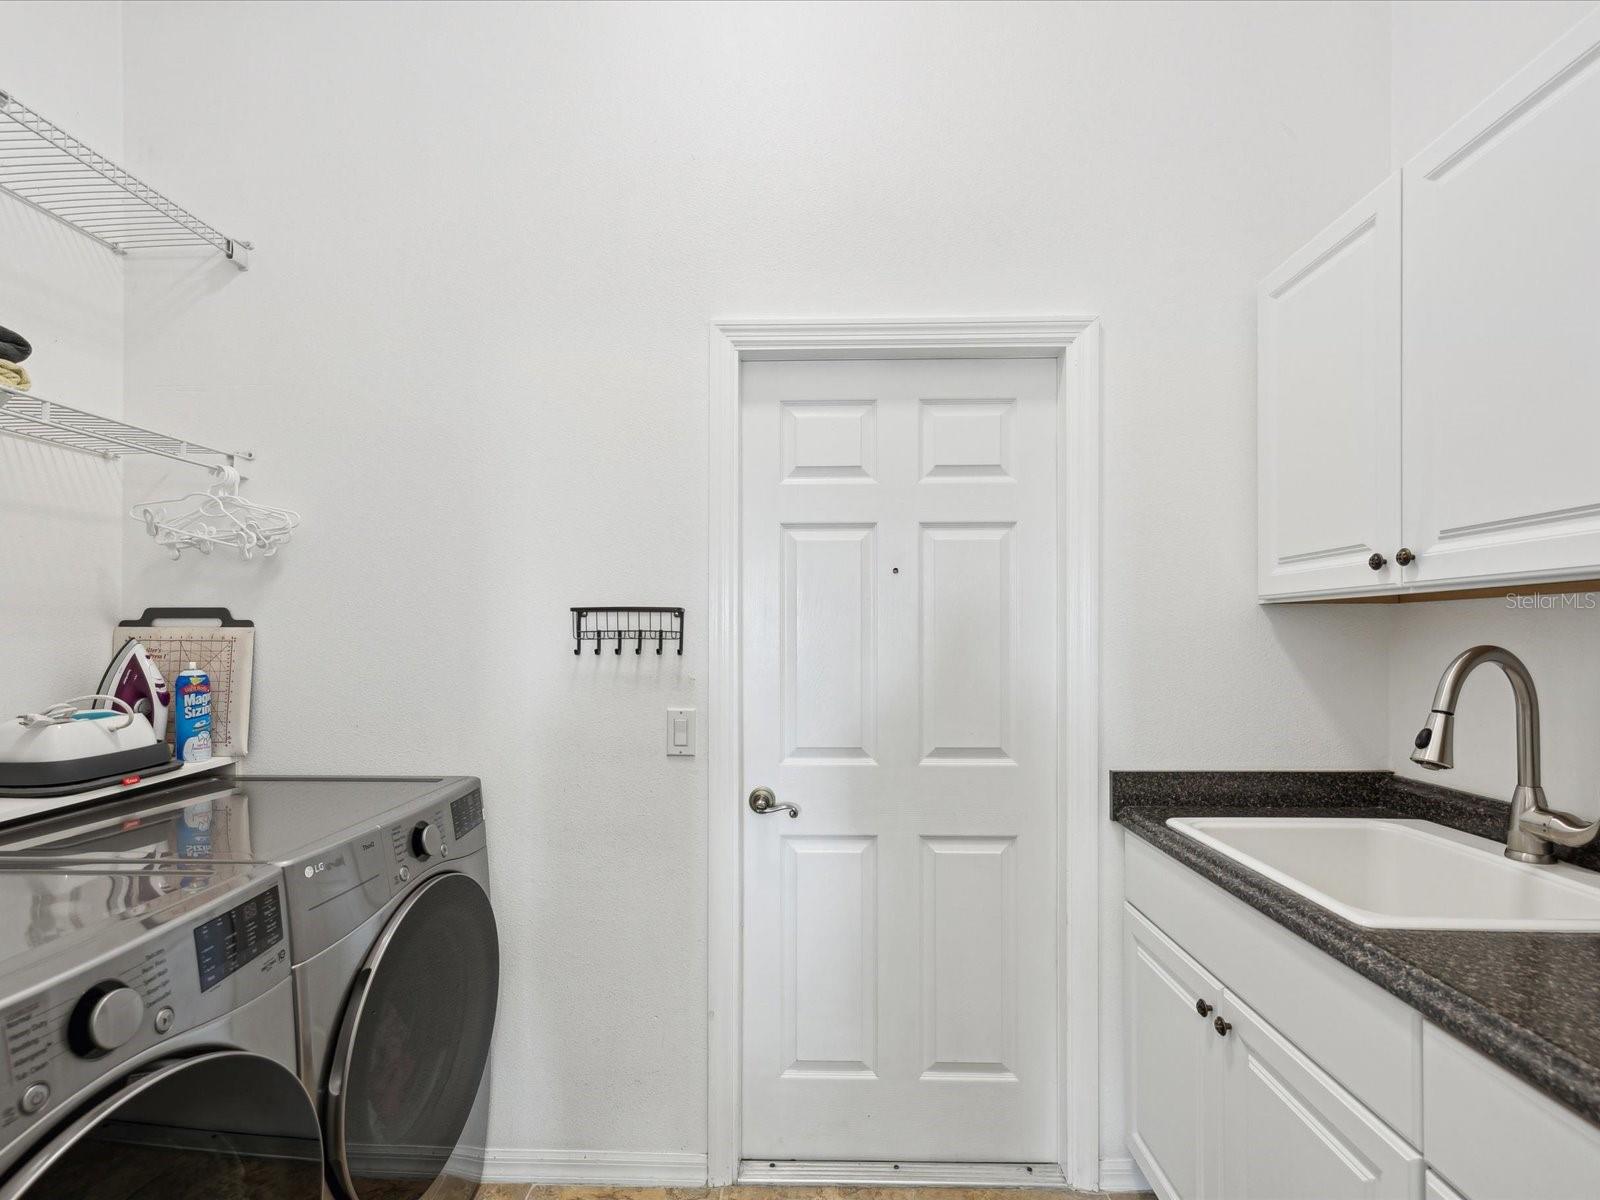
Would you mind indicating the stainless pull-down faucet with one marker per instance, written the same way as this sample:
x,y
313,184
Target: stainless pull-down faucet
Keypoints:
x,y
1532,827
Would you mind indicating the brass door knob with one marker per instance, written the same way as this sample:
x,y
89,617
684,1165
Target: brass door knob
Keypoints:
x,y
1221,1027
1404,557
1201,1007
1377,562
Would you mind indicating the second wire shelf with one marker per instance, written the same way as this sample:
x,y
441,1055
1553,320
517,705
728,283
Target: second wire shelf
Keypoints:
x,y
25,415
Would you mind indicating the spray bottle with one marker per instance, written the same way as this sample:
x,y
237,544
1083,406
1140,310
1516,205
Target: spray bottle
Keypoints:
x,y
192,691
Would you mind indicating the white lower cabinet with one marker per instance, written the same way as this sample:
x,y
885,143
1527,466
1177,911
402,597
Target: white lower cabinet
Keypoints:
x,y
1222,1107
1494,1137
1317,1084
1172,1054
1291,1133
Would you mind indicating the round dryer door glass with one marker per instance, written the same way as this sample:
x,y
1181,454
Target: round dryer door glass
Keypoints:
x,y
225,1124
415,1042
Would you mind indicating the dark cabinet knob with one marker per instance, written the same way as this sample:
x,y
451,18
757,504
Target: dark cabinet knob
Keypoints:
x,y
1377,562
1201,1007
1404,557
1221,1027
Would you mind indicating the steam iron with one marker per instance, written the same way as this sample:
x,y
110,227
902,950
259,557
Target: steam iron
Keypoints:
x,y
136,681
82,743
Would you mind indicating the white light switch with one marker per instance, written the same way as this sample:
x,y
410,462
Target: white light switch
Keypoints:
x,y
680,733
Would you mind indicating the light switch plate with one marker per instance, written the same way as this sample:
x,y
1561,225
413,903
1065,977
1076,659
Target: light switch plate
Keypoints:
x,y
680,733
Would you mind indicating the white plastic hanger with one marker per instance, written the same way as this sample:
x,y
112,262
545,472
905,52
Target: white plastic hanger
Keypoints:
x,y
218,516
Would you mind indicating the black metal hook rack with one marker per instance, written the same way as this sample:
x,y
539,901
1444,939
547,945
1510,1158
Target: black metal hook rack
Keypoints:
x,y
636,625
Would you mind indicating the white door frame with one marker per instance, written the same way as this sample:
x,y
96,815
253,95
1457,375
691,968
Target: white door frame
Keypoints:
x,y
1075,343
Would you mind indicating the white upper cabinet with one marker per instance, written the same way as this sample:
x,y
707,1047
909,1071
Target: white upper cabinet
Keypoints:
x,y
1502,331
1449,340
1328,432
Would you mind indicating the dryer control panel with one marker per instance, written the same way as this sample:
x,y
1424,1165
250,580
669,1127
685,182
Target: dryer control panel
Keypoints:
x,y
70,1033
449,829
332,892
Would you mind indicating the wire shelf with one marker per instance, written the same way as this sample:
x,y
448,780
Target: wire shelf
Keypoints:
x,y
46,167
36,419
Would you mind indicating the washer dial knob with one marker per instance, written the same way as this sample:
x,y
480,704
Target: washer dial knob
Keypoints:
x,y
426,840
109,1014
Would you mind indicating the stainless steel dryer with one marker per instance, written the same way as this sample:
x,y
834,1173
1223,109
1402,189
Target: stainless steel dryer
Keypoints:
x,y
395,951
148,1024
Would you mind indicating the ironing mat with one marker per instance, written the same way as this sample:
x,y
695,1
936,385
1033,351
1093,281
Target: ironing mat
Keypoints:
x,y
225,654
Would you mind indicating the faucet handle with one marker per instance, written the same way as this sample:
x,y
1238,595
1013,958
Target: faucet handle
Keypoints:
x,y
1560,827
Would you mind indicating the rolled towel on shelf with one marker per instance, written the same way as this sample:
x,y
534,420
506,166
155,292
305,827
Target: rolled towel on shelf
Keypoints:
x,y
14,376
13,346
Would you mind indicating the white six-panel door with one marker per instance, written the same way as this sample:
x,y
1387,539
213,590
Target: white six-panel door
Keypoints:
x,y
898,583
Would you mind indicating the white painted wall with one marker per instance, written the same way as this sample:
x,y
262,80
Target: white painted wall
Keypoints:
x,y
1447,55
60,518
1446,58
472,350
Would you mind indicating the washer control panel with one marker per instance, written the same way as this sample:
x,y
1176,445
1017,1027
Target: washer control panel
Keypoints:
x,y
239,936
68,1035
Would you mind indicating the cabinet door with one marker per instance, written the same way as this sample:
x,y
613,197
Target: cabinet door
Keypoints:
x,y
1494,1136
1328,408
1172,1105
1292,1133
1502,251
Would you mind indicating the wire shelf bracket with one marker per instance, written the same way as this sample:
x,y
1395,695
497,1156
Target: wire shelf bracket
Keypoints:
x,y
35,419
634,626
47,168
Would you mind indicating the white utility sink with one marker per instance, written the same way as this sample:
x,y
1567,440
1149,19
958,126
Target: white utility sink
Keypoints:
x,y
1404,874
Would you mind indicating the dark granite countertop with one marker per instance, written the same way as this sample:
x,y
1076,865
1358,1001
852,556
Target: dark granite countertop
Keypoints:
x,y
1529,1001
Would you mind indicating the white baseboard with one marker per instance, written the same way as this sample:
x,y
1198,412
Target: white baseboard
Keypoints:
x,y
1121,1175
665,1168
908,1174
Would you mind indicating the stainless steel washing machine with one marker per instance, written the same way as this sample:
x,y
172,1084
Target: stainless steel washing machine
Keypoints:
x,y
148,1026
394,947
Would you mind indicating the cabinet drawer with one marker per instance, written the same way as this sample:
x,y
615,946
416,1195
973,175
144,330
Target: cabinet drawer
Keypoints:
x,y
1365,1038
1494,1137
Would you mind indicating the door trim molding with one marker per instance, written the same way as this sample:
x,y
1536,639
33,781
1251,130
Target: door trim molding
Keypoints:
x,y
1075,343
